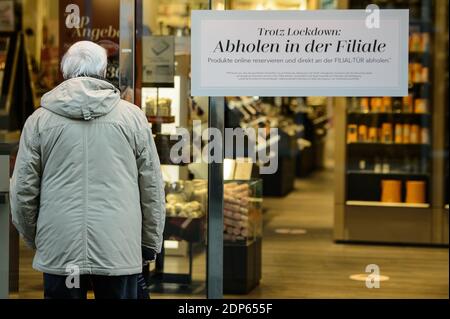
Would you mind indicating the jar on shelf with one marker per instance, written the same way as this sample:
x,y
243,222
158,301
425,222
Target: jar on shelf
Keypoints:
x,y
373,135
352,133
387,133
421,106
398,133
364,105
391,191
386,105
406,133
425,135
415,134
408,103
376,104
416,192
362,133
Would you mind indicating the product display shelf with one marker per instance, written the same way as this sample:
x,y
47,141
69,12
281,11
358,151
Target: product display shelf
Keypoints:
x,y
161,119
390,144
314,121
185,215
180,227
167,109
259,114
242,235
242,211
380,204
389,174
190,229
416,21
382,115
398,127
366,149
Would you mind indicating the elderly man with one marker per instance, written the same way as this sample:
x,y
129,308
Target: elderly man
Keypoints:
x,y
87,192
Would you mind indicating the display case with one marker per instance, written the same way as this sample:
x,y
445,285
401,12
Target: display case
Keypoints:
x,y
262,113
242,212
389,167
160,105
164,96
162,108
186,207
186,200
242,235
311,115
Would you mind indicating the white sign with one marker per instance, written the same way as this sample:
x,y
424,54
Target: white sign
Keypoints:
x,y
299,53
158,61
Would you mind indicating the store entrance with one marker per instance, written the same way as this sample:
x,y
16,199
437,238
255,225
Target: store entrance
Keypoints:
x,y
129,30
360,181
328,215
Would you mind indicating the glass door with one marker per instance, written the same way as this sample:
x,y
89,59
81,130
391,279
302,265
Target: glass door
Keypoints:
x,y
179,122
148,46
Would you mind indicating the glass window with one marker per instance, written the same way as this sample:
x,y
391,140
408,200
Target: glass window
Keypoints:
x,y
163,92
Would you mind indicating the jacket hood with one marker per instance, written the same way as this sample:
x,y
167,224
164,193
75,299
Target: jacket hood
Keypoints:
x,y
83,98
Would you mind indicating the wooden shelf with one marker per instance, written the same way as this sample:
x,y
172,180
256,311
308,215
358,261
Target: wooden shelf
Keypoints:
x,y
420,22
372,118
378,144
387,114
368,150
356,172
161,119
380,204
419,53
418,84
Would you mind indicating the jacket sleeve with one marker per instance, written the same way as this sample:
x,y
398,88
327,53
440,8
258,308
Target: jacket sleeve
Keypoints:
x,y
151,189
25,184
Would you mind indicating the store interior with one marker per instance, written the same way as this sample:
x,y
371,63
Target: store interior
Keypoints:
x,y
360,181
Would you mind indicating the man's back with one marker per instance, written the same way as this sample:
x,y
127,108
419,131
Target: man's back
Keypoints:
x,y
87,161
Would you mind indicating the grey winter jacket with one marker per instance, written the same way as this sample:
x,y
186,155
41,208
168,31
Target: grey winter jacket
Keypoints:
x,y
87,189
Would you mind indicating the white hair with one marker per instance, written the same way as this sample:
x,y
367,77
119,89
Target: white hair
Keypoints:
x,y
84,58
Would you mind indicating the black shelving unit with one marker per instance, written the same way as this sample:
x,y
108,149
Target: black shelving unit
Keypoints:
x,y
419,90
176,228
380,149
190,230
384,116
391,174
